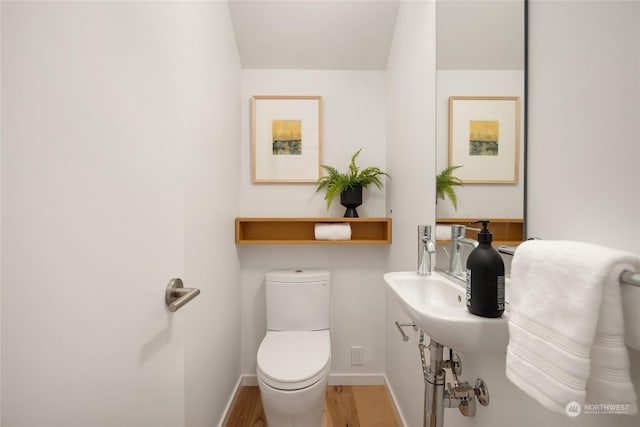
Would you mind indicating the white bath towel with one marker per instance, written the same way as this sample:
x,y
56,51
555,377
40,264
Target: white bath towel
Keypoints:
x,y
631,311
333,231
566,328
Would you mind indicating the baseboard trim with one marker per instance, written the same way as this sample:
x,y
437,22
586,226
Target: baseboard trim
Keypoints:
x,y
396,407
334,379
230,403
249,380
356,379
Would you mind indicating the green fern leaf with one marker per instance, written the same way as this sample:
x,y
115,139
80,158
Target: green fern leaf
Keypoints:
x,y
445,183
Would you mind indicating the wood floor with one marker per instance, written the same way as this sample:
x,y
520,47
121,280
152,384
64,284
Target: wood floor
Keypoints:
x,y
344,406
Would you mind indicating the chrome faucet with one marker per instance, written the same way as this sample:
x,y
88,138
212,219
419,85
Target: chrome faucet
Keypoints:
x,y
426,247
455,252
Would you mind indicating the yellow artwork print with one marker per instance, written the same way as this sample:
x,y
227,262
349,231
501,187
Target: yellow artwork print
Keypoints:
x,y
483,137
286,137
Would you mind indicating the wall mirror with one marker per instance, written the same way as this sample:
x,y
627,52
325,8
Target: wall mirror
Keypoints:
x,y
481,53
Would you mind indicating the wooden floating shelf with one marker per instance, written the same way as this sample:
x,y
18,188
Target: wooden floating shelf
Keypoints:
x,y
506,231
364,231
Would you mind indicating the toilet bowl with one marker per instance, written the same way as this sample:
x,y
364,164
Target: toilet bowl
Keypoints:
x,y
293,372
294,357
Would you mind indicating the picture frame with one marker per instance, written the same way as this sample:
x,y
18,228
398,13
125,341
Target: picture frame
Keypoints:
x,y
286,139
484,138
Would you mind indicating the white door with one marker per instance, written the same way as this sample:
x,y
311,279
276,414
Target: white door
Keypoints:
x,y
92,217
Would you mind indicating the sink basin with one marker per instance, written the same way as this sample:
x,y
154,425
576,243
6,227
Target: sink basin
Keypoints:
x,y
438,307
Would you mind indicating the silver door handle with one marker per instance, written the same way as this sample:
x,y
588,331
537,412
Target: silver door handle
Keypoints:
x,y
176,295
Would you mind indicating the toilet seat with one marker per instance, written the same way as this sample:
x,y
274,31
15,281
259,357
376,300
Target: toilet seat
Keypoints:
x,y
293,360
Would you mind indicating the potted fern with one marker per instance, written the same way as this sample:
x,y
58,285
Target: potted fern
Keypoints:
x,y
445,185
349,185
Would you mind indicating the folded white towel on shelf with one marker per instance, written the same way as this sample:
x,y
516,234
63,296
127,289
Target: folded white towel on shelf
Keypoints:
x,y
443,232
333,231
566,327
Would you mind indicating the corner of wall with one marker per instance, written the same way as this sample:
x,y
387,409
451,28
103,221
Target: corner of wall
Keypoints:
x,y
411,160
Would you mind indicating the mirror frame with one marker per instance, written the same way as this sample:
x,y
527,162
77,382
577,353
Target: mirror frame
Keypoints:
x,y
525,121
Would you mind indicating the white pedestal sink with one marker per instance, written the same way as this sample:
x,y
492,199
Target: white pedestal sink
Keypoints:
x,y
438,307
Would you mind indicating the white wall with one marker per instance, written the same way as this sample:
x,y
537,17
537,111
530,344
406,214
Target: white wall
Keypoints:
x,y
95,96
411,149
212,341
353,115
583,150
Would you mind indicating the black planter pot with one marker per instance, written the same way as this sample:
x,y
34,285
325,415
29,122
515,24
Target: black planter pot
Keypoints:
x,y
351,198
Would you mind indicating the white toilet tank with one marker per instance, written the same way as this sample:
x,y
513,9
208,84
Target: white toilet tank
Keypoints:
x,y
298,300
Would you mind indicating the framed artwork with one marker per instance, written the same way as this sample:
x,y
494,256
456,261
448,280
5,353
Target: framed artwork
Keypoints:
x,y
286,138
484,138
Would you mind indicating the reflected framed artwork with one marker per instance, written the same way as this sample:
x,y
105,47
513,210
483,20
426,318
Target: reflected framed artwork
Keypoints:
x,y
286,138
484,138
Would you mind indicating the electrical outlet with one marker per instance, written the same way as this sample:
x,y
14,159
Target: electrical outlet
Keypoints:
x,y
357,355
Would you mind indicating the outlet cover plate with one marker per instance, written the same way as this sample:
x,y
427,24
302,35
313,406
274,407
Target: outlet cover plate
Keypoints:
x,y
357,355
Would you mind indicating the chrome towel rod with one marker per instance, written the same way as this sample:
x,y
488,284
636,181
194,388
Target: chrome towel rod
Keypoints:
x,y
630,278
405,337
627,277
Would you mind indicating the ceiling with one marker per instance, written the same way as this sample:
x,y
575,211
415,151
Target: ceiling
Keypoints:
x,y
314,34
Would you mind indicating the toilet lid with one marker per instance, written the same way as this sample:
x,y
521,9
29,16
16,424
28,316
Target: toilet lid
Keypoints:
x,y
291,360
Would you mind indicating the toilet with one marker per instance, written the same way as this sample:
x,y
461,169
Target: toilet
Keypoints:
x,y
294,357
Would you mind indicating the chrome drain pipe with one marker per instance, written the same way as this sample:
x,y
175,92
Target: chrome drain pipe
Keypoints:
x,y
434,379
436,398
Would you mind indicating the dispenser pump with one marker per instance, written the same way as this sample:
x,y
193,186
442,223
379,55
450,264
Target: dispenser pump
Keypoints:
x,y
484,236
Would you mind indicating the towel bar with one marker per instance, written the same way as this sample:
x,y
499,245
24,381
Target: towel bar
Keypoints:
x,y
630,278
405,337
627,277
507,250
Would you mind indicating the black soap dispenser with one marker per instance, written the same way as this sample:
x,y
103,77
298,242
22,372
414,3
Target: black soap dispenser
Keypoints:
x,y
485,277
